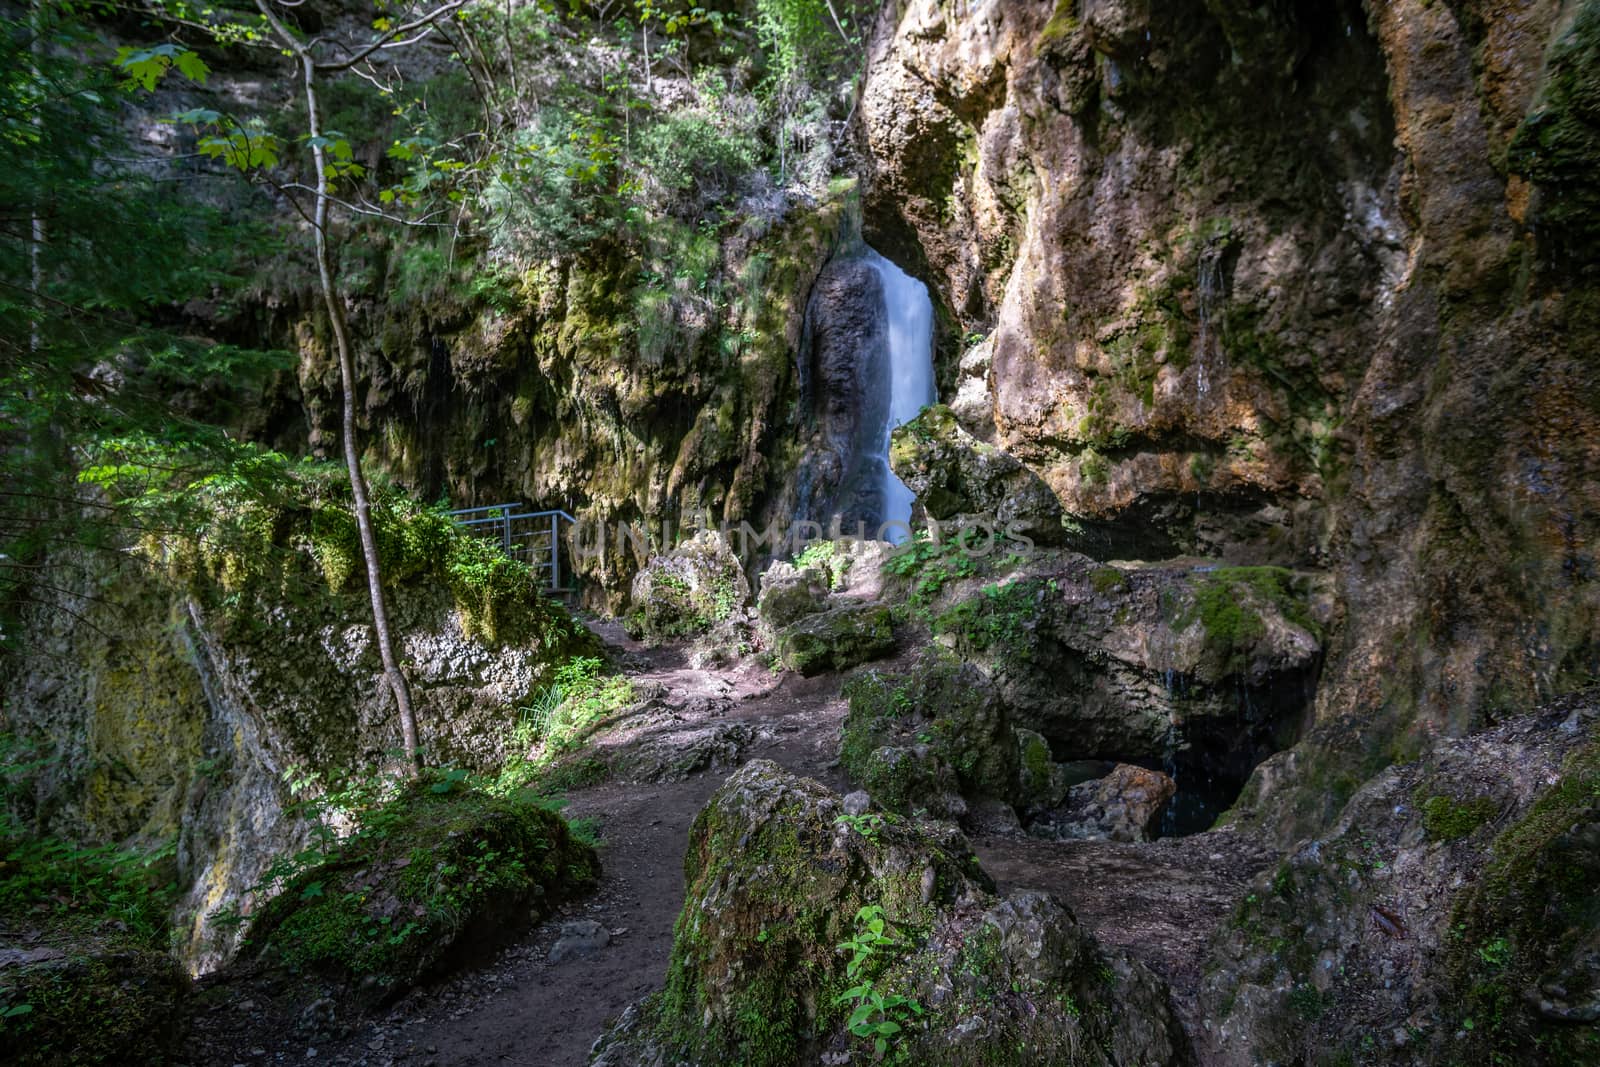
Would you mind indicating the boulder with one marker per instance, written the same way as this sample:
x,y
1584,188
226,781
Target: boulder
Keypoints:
x,y
1212,667
437,868
786,891
789,593
688,590
956,476
826,574
1125,805
1042,783
837,640
928,736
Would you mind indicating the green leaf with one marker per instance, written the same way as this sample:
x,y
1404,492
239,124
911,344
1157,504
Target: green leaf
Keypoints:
x,y
192,67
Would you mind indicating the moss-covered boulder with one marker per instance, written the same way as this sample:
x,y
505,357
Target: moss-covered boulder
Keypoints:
x,y
1210,667
85,972
790,592
955,475
808,934
437,870
1041,782
837,640
88,1002
688,590
929,735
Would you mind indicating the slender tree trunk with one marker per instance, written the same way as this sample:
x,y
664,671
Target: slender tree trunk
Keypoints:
x,y
36,234
347,374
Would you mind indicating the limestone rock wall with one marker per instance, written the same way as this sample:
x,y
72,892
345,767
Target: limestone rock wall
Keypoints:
x,y
1286,284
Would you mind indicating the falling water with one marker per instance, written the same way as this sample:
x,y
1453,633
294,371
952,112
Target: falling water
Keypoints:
x,y
909,314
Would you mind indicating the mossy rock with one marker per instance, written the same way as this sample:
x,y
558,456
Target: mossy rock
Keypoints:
x,y
88,1004
837,640
689,590
780,877
913,737
954,474
438,871
1041,782
775,880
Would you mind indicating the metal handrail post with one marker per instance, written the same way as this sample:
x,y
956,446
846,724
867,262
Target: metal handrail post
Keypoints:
x,y
555,556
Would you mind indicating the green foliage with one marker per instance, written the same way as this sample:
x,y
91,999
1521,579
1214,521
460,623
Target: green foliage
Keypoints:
x,y
927,565
242,524
874,1014
94,350
999,617
867,824
697,152
1227,602
103,891
825,557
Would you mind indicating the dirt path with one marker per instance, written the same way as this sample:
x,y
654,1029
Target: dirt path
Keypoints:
x,y
1159,902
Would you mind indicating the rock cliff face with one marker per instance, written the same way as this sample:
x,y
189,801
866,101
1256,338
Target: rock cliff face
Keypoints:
x,y
1284,284
168,723
844,395
611,384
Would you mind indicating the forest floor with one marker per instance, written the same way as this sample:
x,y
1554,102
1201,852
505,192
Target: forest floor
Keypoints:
x,y
1159,902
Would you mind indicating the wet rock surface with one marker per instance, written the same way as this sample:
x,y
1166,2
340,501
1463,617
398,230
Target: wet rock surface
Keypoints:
x,y
844,393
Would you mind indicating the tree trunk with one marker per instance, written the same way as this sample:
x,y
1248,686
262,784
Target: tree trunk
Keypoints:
x,y
347,373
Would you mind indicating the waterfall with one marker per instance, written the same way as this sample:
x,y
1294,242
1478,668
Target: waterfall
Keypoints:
x,y
908,313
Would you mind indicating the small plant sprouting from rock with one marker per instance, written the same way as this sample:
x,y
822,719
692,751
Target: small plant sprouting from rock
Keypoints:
x,y
867,824
874,1014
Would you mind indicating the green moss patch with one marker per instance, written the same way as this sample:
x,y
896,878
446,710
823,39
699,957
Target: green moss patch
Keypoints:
x,y
1228,601
89,1003
1449,819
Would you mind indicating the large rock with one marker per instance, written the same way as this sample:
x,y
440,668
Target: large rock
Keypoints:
x,y
837,640
177,710
439,868
1125,805
1447,917
88,1002
779,878
826,574
929,736
844,395
957,476
1211,667
688,590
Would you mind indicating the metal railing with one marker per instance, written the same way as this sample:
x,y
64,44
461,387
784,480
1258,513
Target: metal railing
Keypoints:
x,y
534,537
